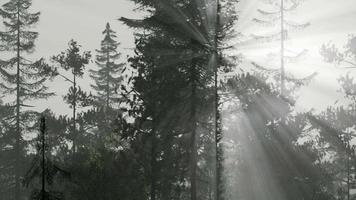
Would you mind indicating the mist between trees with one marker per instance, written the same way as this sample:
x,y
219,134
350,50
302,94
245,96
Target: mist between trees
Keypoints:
x,y
187,116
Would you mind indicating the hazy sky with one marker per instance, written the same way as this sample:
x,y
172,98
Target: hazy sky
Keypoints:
x,y
330,21
84,20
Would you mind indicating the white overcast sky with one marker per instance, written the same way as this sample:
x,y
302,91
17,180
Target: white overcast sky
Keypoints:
x,y
84,20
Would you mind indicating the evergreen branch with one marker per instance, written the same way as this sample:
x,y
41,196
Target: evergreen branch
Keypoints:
x,y
65,78
268,13
295,26
271,22
296,57
268,38
349,62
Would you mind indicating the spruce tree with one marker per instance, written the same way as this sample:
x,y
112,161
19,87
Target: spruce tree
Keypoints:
x,y
108,76
155,104
204,26
24,79
277,18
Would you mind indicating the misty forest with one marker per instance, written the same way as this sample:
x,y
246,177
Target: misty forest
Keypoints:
x,y
177,100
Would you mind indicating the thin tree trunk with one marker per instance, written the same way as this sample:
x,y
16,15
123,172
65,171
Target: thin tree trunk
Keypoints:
x,y
18,131
153,160
217,139
282,49
74,112
153,166
107,82
348,149
216,107
43,129
193,120
107,89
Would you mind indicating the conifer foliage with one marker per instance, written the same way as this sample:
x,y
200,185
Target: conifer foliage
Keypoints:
x,y
190,123
108,75
22,78
276,17
43,170
74,61
199,31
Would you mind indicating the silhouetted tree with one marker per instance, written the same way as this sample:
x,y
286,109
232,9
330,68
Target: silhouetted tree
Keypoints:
x,y
270,162
277,17
341,124
203,26
72,60
22,78
108,77
154,103
43,170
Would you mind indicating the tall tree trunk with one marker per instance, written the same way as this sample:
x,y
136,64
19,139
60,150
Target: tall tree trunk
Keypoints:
x,y
282,49
193,120
216,106
348,168
107,89
217,139
107,82
153,160
43,129
74,112
18,130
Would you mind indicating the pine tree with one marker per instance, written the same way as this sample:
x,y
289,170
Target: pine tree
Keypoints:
x,y
72,60
22,78
277,17
108,77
